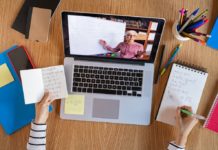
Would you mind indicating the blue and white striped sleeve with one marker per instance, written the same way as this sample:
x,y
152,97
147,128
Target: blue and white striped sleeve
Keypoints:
x,y
173,146
37,138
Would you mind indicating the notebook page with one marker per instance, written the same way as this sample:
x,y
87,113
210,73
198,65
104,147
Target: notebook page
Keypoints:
x,y
55,81
33,87
184,87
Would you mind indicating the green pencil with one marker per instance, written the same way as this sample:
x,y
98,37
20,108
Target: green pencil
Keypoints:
x,y
193,115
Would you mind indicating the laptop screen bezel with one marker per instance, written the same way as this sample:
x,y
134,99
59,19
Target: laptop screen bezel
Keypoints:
x,y
161,24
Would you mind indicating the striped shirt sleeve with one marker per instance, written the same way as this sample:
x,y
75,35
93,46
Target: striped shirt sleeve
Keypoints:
x,y
37,138
173,146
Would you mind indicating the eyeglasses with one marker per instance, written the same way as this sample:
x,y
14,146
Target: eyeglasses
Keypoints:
x,y
130,35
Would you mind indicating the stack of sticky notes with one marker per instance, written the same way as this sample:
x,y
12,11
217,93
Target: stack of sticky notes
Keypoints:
x,y
5,75
74,105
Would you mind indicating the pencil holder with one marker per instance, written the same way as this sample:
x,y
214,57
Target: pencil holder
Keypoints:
x,y
176,32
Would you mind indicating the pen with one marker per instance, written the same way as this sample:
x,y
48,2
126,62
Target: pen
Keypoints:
x,y
205,21
194,25
182,11
171,59
160,63
200,15
201,34
193,115
189,20
193,38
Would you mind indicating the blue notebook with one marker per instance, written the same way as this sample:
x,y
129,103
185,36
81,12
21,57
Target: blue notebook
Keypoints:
x,y
14,114
213,41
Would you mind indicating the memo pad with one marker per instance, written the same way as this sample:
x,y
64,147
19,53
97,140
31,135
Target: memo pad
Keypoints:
x,y
74,105
5,75
184,87
36,81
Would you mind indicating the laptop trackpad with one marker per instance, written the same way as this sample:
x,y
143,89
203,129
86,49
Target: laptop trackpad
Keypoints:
x,y
106,108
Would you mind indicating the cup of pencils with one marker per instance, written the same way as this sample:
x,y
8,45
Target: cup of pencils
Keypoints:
x,y
186,27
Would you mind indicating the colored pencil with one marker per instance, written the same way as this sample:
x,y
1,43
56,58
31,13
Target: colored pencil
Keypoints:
x,y
192,114
171,59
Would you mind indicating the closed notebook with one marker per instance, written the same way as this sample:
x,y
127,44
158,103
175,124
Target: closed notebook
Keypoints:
x,y
39,24
184,87
212,119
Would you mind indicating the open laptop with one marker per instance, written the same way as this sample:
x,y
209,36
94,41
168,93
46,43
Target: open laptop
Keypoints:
x,y
109,66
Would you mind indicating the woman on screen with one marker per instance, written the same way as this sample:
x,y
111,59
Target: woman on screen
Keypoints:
x,y
129,48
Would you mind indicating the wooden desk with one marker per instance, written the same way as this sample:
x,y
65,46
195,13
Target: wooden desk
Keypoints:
x,y
78,135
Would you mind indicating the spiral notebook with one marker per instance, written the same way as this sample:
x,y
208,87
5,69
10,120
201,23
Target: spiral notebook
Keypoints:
x,y
212,119
184,87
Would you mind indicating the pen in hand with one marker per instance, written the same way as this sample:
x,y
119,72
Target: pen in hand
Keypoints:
x,y
192,114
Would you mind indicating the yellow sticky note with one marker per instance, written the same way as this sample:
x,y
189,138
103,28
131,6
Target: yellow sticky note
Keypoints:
x,y
5,75
74,104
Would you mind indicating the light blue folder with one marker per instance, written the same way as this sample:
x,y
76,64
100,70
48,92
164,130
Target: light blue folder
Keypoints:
x,y
213,41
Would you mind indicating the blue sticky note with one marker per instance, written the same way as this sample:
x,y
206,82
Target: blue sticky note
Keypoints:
x,y
213,41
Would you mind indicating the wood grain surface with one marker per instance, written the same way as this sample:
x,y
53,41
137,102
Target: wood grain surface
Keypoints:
x,y
80,135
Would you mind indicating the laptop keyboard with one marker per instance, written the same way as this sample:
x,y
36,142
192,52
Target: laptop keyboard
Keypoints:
x,y
105,80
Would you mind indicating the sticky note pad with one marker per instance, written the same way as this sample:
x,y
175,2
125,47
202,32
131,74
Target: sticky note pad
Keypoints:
x,y
5,75
74,105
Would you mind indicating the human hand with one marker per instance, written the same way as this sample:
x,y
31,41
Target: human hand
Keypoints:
x,y
185,124
103,43
42,109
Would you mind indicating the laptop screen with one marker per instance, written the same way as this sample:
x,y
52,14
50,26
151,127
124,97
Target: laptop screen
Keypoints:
x,y
111,37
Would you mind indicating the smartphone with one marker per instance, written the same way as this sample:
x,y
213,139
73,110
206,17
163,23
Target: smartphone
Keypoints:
x,y
20,60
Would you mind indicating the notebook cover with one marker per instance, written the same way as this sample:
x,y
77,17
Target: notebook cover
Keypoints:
x,y
29,16
14,114
39,24
212,119
21,19
213,41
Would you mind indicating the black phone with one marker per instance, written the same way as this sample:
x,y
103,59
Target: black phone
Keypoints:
x,y
20,59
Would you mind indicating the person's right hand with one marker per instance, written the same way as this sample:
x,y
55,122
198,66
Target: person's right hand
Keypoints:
x,y
185,124
42,109
103,43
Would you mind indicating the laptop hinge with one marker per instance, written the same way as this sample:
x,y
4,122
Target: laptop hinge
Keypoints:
x,y
120,61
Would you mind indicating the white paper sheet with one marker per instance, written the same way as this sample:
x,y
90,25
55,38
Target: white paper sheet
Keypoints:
x,y
33,86
55,81
85,33
184,87
36,81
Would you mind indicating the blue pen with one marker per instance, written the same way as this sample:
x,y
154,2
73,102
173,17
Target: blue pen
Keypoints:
x,y
171,59
190,18
194,25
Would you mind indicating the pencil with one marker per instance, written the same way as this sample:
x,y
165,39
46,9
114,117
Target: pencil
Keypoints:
x,y
192,114
171,59
160,63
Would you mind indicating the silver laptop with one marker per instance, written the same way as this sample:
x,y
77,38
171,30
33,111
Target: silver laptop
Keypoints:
x,y
109,66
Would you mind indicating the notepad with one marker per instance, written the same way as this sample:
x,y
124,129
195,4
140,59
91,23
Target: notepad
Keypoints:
x,y
5,75
74,105
212,42
36,81
184,87
212,119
